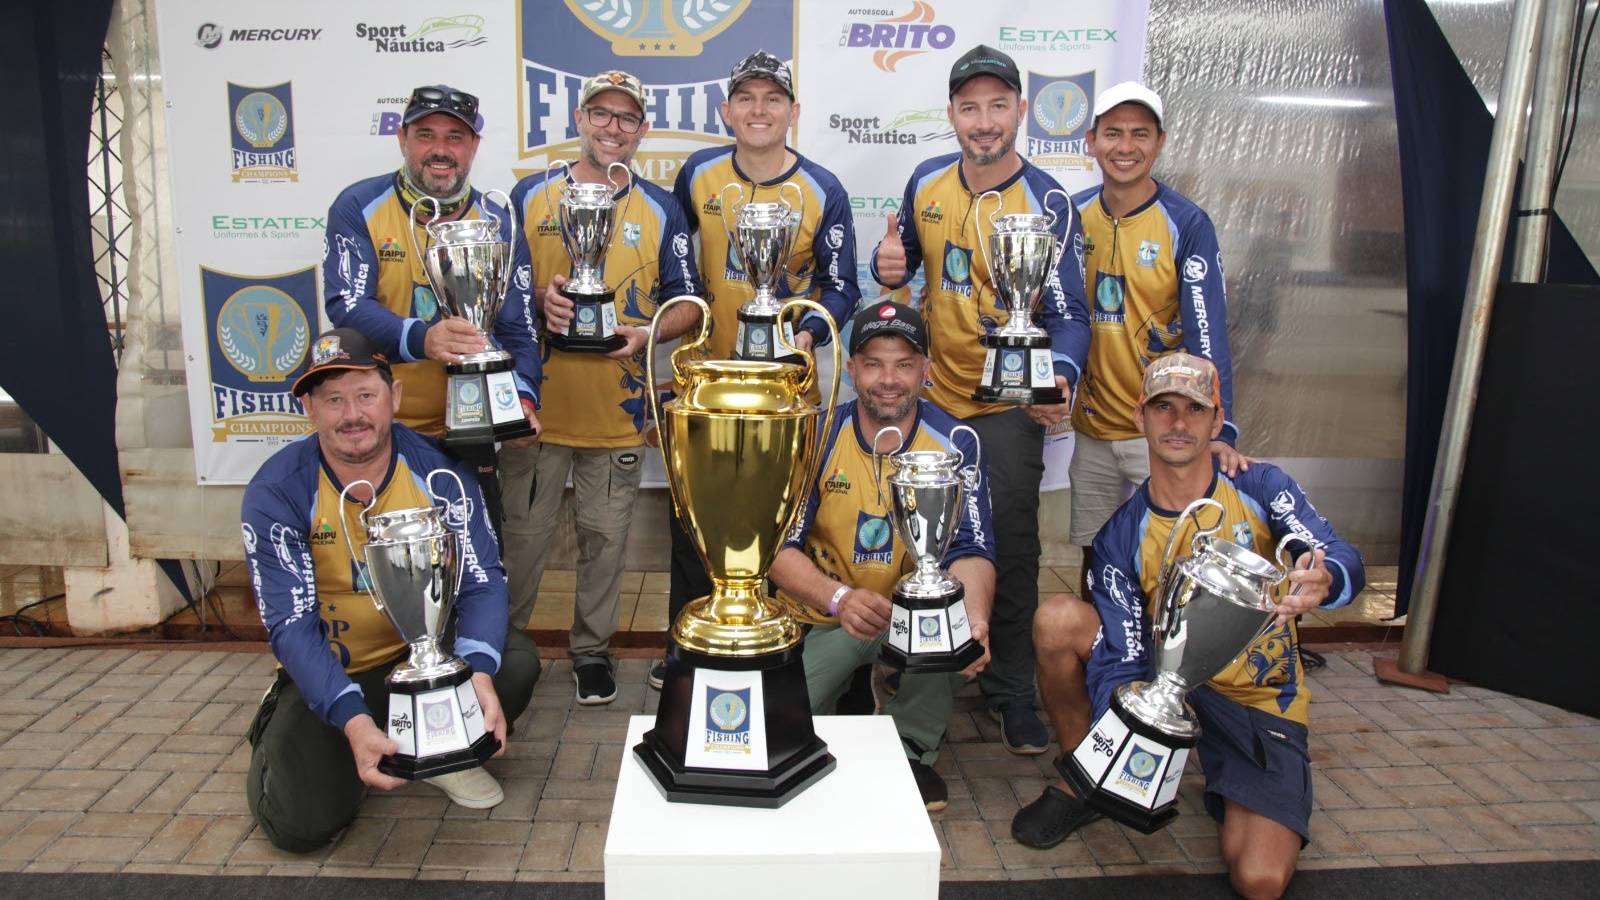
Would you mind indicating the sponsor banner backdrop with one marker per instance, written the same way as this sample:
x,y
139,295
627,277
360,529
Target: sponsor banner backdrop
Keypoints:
x,y
272,110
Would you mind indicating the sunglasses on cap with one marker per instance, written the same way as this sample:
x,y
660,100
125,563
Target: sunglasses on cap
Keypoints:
x,y
452,101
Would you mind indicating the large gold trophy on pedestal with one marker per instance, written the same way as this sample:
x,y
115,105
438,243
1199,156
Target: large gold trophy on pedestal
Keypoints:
x,y
740,444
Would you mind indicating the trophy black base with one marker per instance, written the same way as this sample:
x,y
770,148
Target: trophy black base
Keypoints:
x,y
928,635
482,406
757,339
438,726
1128,770
795,758
593,328
1018,369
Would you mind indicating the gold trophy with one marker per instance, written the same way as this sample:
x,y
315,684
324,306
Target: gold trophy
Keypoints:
x,y
741,450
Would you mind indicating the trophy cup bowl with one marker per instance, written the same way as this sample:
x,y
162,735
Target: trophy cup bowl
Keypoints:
x,y
1021,254
413,566
587,216
468,265
741,451
928,626
1211,606
763,235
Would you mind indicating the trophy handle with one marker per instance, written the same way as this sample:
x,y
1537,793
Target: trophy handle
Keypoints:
x,y
362,518
969,468
1285,563
797,213
445,502
622,215
977,227
511,216
551,206
810,378
722,207
427,234
1045,203
877,458
653,399
1192,509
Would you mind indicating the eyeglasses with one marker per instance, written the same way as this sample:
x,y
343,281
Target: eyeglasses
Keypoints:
x,y
454,101
600,117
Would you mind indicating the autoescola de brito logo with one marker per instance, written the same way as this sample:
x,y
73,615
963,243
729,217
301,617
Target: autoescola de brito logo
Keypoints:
x,y
893,37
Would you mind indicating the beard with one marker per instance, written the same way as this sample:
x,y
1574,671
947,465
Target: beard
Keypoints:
x,y
430,182
887,414
1008,140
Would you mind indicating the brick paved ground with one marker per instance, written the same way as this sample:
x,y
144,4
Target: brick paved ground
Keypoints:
x,y
116,760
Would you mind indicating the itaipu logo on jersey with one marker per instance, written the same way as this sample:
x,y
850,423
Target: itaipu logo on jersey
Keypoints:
x,y
1059,117
262,133
681,51
837,483
874,539
260,332
391,251
956,274
727,725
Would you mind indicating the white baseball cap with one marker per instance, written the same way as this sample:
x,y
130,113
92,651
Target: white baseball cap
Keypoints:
x,y
1127,92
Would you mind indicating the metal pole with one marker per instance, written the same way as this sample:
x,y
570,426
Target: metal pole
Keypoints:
x,y
1510,128
1544,141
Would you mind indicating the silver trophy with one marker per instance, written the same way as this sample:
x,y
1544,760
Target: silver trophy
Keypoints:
x,y
587,216
1210,607
1021,253
762,237
413,574
468,265
928,627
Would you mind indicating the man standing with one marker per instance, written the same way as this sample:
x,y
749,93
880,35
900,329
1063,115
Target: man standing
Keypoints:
x,y
942,232
841,561
314,742
1153,268
760,110
372,284
594,405
1253,715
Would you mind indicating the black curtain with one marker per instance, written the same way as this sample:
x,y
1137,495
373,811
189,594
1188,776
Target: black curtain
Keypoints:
x,y
1444,132
57,362
1516,581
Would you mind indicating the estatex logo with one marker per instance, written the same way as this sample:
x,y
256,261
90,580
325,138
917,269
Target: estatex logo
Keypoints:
x,y
893,36
1013,38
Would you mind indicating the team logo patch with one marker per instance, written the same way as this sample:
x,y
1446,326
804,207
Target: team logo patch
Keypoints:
x,y
631,233
1194,269
836,237
1060,108
1109,293
262,139
424,305
1148,250
874,539
956,273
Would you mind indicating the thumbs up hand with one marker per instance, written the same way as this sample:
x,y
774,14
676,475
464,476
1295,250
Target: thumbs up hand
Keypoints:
x,y
891,255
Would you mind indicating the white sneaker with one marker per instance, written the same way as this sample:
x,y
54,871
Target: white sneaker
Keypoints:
x,y
473,788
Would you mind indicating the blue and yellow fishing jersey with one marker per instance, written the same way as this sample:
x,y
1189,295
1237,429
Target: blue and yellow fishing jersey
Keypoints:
x,y
846,529
1154,279
372,283
822,259
939,227
1263,504
322,623
589,400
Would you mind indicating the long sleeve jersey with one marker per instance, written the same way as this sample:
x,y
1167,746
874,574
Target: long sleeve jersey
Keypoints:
x,y
590,400
1154,279
846,529
822,259
372,283
312,595
1263,504
940,228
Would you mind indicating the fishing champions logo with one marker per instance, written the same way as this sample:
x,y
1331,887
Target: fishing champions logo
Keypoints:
x,y
1060,113
261,328
681,51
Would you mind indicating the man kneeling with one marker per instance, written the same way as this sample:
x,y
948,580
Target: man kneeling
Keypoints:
x,y
314,741
1253,714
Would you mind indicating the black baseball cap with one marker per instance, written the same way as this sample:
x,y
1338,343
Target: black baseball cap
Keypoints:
x,y
984,60
762,64
342,349
441,98
887,317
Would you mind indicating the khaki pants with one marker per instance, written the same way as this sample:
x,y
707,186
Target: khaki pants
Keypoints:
x,y
605,482
1104,474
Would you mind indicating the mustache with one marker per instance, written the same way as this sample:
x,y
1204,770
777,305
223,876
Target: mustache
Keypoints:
x,y
430,160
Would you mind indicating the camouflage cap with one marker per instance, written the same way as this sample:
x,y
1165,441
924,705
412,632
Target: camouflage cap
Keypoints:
x,y
1188,376
613,80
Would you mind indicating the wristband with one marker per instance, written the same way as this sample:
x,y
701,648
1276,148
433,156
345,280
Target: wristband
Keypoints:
x,y
833,604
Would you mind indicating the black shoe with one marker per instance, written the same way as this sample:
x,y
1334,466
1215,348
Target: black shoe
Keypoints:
x,y
1020,730
935,796
658,673
595,684
1048,820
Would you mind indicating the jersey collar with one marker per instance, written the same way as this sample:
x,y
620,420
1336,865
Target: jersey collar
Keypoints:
x,y
733,160
388,474
1150,502
1161,189
865,443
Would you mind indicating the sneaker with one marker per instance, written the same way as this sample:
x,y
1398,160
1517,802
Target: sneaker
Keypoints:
x,y
935,796
658,673
595,684
1048,820
473,788
1020,730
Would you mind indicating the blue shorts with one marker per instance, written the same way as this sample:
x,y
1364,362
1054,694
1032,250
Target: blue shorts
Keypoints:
x,y
1257,760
